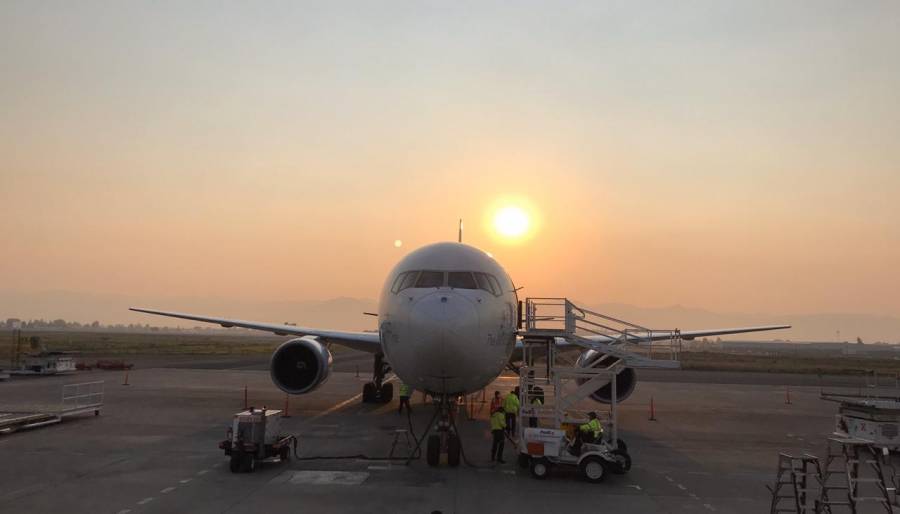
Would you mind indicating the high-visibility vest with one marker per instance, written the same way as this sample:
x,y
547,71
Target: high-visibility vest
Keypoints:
x,y
593,426
498,421
511,403
405,390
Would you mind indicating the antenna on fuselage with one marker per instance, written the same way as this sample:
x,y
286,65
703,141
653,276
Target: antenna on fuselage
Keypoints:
x,y
460,230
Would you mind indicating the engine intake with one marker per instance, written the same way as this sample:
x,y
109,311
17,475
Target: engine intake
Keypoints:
x,y
625,381
300,365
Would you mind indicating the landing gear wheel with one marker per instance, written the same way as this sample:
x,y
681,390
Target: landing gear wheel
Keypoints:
x,y
235,464
368,395
387,393
249,463
540,468
593,469
453,450
524,460
623,462
433,450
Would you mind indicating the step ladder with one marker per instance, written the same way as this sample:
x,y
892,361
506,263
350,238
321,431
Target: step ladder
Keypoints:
x,y
853,475
793,479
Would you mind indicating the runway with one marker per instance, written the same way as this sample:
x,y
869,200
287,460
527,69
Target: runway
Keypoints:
x,y
713,447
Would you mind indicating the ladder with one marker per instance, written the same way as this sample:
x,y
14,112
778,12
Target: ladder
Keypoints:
x,y
857,461
792,482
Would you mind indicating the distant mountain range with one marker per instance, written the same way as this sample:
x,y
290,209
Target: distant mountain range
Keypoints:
x,y
347,314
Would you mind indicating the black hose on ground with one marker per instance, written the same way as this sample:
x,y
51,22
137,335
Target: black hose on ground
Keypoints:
x,y
462,451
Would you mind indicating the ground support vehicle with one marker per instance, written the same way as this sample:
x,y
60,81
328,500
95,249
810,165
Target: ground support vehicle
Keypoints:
x,y
254,437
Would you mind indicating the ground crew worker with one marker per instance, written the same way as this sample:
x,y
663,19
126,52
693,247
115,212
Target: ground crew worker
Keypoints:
x,y
511,408
592,430
589,432
405,394
496,402
498,424
535,402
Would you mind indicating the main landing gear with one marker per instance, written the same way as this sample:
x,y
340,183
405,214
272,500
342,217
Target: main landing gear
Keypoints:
x,y
444,439
377,391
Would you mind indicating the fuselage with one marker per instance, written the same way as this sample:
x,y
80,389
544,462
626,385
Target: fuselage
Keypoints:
x,y
447,318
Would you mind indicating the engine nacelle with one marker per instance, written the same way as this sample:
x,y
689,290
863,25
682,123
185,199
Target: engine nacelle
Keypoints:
x,y
625,381
300,365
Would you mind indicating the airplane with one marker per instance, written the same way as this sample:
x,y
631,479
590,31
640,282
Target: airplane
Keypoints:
x,y
448,324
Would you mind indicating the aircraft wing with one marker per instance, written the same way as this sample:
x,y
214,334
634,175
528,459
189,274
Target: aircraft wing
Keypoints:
x,y
688,335
365,341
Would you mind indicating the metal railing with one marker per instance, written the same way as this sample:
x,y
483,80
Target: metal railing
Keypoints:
x,y
558,317
84,396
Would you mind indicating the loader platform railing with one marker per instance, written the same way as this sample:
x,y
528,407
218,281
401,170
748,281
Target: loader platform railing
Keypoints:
x,y
558,317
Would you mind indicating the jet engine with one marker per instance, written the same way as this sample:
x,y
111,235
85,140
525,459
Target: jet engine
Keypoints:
x,y
625,381
300,365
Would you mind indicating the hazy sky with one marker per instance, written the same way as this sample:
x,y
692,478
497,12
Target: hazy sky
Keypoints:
x,y
729,156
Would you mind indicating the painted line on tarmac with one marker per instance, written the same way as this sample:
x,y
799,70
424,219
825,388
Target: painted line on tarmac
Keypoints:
x,y
669,478
146,500
203,472
124,511
186,480
167,490
709,507
683,488
342,404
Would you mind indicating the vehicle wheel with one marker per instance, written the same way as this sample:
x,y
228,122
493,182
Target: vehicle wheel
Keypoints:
x,y
387,393
235,464
540,468
433,450
623,462
622,446
524,460
593,469
368,392
453,450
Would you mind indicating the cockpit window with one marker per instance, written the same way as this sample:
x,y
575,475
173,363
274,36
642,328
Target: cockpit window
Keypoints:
x,y
397,281
409,278
461,280
484,283
496,285
430,279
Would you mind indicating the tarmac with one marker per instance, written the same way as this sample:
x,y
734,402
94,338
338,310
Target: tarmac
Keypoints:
x,y
712,448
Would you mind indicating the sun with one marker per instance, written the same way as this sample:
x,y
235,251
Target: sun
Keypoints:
x,y
511,222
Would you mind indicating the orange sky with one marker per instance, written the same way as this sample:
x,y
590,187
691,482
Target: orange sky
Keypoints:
x,y
739,159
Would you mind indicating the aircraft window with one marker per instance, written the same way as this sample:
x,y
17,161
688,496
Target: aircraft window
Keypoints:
x,y
484,283
496,284
397,281
461,280
408,280
430,279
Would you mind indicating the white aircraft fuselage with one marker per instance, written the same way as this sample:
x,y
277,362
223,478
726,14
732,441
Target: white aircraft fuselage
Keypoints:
x,y
447,318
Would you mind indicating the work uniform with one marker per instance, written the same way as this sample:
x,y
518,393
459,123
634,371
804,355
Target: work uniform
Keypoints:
x,y
498,423
511,408
591,431
496,403
405,394
536,402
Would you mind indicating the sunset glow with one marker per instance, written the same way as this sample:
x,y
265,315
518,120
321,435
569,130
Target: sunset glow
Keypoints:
x,y
511,222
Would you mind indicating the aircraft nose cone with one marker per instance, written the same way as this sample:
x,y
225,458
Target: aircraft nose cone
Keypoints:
x,y
444,323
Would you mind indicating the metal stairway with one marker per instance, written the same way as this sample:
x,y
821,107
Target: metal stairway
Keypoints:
x,y
563,322
792,483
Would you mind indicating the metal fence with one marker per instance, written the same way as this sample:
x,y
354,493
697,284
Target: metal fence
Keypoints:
x,y
84,396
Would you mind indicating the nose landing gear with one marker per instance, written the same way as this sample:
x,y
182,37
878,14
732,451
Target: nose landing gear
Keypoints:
x,y
377,391
444,439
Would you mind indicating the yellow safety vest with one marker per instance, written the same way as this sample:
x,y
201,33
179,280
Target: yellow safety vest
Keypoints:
x,y
511,404
498,421
404,390
593,426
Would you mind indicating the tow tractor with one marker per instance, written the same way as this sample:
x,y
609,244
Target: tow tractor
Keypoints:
x,y
253,437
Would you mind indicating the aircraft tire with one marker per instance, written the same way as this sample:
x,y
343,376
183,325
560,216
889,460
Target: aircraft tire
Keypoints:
x,y
453,450
368,394
387,393
433,450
